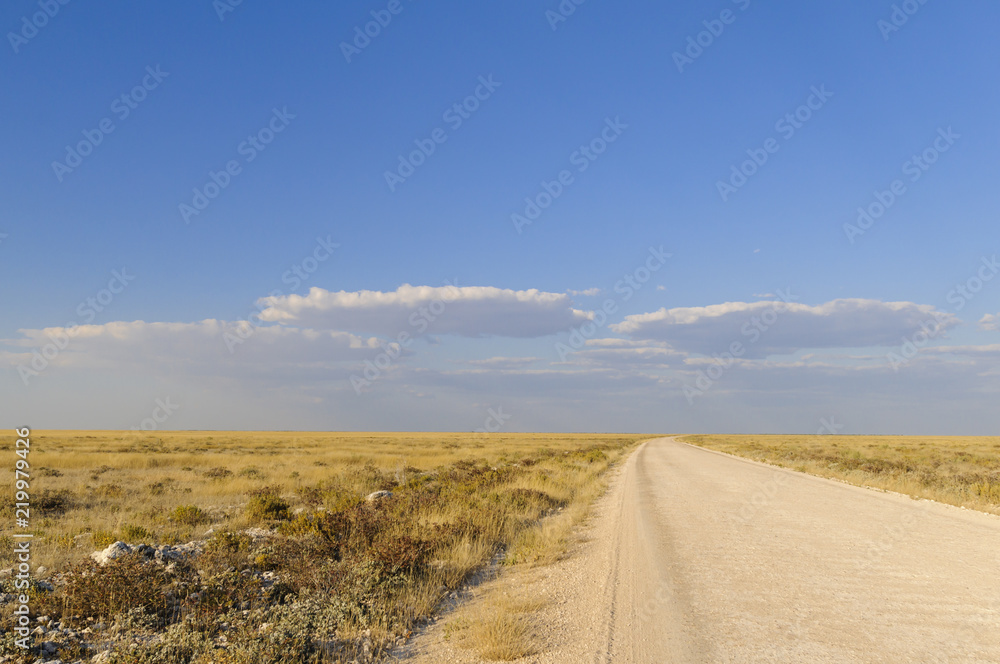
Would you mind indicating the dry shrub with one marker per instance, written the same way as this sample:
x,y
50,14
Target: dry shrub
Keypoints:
x,y
51,503
531,498
218,473
226,550
104,591
109,491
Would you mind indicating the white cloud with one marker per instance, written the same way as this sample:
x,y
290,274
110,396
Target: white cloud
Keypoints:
x,y
197,348
471,311
990,322
769,328
590,292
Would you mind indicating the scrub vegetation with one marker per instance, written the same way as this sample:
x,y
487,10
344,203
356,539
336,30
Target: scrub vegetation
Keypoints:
x,y
271,547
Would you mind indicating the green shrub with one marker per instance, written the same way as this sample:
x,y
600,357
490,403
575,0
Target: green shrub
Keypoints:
x,y
267,507
102,538
189,515
136,534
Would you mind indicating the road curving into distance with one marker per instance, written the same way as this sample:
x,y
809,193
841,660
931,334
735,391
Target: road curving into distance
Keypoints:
x,y
705,557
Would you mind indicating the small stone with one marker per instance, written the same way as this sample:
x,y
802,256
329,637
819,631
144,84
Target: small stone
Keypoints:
x,y
116,550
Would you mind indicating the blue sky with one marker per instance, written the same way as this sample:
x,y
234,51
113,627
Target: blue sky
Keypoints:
x,y
888,90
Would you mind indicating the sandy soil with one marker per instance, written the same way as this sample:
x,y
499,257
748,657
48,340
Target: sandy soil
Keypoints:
x,y
698,556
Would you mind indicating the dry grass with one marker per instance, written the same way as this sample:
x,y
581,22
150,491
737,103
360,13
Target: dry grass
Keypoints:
x,y
500,628
499,625
352,576
108,481
963,471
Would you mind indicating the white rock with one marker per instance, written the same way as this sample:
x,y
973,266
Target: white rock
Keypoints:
x,y
116,550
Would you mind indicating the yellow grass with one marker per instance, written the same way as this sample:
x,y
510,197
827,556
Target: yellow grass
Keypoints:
x,y
118,479
501,629
958,470
459,500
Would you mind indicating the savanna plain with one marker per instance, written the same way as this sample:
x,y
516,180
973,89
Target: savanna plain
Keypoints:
x,y
284,547
236,547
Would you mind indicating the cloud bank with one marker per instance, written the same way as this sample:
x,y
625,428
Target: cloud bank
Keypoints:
x,y
777,328
468,311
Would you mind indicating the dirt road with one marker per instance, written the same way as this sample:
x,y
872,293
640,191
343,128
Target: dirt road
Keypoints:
x,y
697,556
717,559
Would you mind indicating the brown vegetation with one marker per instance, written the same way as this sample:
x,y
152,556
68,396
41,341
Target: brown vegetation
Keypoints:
x,y
297,565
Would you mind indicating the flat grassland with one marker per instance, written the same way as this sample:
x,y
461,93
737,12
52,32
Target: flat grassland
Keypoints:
x,y
294,563
958,470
